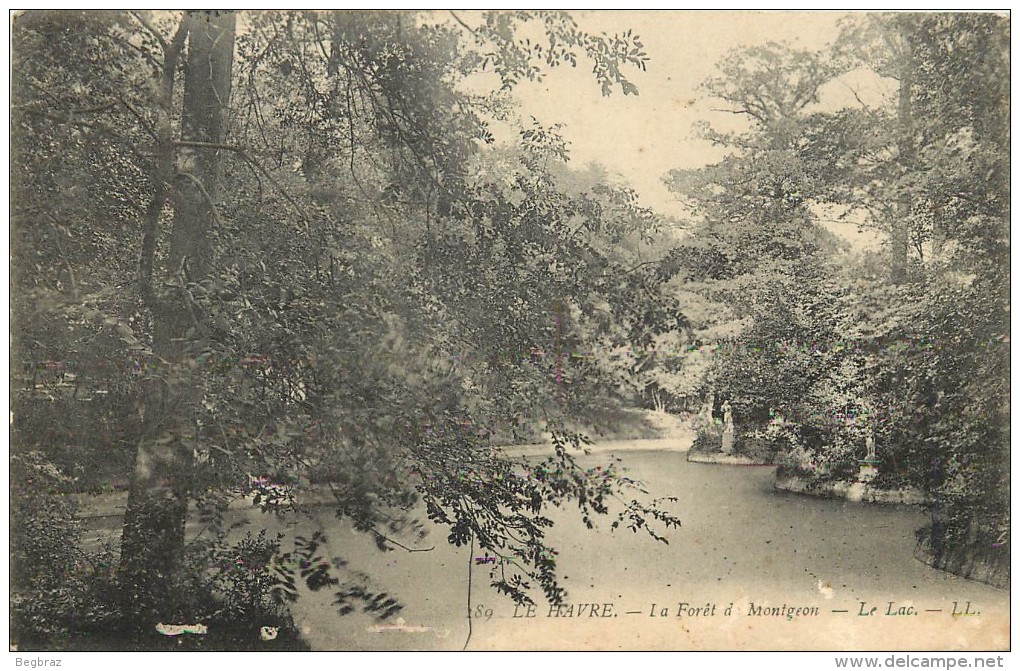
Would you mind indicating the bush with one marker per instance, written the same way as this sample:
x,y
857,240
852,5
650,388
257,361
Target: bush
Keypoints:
x,y
65,598
62,596
708,439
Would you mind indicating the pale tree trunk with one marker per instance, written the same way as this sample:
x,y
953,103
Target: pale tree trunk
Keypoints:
x,y
153,535
900,234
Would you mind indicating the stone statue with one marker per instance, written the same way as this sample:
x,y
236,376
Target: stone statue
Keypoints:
x,y
727,436
869,465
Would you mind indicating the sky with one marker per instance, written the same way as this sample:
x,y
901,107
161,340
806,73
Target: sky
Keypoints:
x,y
642,137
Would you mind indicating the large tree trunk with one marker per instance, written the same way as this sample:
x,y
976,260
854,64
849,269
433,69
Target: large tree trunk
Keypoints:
x,y
153,535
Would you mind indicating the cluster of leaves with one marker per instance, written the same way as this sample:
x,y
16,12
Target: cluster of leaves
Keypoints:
x,y
947,389
910,344
508,519
356,244
54,585
519,45
77,136
757,250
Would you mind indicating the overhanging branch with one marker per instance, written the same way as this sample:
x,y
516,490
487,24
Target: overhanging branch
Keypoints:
x,y
243,153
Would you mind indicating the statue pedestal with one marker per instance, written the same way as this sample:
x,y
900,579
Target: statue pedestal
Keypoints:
x,y
727,440
868,470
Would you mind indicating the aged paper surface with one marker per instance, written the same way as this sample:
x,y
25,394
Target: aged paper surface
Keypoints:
x,y
751,568
828,575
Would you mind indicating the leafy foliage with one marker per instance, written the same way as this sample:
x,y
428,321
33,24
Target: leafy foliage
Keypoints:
x,y
908,346
52,581
319,278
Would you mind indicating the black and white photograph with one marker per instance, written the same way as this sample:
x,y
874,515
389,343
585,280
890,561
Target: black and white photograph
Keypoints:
x,y
510,330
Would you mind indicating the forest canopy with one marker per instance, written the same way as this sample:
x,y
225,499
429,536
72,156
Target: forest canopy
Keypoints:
x,y
260,252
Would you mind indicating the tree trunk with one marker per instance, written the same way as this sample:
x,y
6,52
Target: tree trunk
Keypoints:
x,y
905,145
153,535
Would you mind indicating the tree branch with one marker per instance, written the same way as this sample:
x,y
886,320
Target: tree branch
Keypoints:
x,y
466,26
205,194
400,545
754,115
147,56
242,152
640,265
63,256
164,158
852,90
151,29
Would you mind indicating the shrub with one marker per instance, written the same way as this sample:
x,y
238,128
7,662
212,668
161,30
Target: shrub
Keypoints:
x,y
66,598
708,438
56,587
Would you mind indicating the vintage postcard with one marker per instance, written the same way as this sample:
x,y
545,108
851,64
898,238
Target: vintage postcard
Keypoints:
x,y
445,330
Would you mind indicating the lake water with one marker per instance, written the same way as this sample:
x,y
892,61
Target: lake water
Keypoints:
x,y
742,544
750,569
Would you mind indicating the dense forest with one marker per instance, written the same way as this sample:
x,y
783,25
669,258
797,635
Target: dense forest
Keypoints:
x,y
257,254
821,348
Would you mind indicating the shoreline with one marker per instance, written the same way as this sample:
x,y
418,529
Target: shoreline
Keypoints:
x,y
114,503
721,458
857,492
